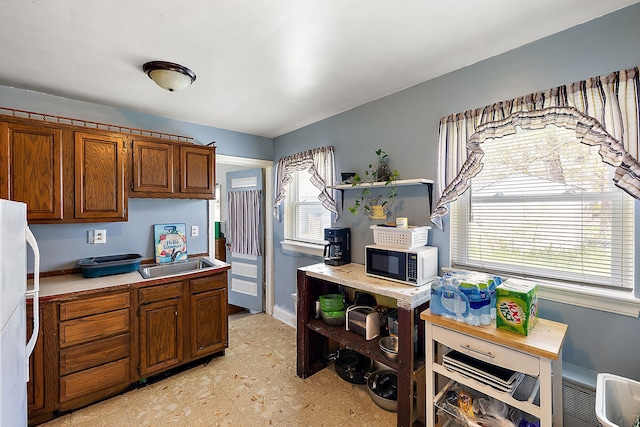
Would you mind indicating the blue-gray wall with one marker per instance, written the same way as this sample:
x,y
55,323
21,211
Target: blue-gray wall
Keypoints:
x,y
405,125
61,245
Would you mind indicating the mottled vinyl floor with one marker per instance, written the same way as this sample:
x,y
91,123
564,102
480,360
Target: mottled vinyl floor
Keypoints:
x,y
253,384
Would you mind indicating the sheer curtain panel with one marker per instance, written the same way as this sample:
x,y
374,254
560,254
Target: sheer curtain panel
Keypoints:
x,y
319,162
244,222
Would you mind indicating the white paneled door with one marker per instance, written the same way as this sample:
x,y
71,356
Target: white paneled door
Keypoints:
x,y
245,238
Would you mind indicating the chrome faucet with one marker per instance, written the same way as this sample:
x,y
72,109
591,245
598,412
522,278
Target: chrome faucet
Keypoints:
x,y
174,255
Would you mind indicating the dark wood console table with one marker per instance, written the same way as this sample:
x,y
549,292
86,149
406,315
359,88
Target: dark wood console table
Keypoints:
x,y
313,336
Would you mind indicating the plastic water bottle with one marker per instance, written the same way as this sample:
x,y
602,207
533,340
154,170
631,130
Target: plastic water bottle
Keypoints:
x,y
436,297
485,304
475,303
493,284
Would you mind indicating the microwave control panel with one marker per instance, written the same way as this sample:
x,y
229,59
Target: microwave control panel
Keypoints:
x,y
412,268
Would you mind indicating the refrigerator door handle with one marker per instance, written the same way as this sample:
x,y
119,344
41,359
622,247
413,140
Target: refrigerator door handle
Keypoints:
x,y
33,293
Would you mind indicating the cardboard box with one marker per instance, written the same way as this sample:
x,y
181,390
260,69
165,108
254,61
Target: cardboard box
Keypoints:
x,y
517,306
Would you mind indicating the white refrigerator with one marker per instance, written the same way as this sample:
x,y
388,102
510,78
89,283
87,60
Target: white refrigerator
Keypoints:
x,y
14,349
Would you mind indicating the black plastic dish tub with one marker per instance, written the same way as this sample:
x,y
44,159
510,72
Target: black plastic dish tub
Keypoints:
x,y
108,265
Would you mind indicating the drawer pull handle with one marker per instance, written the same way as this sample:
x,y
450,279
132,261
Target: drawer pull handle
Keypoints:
x,y
484,353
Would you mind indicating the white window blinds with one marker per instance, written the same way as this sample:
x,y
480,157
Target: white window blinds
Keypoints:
x,y
545,206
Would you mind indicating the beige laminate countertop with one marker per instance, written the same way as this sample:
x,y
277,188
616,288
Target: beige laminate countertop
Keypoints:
x,y
545,339
354,276
64,285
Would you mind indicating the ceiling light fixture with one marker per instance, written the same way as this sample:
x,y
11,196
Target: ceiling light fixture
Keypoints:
x,y
168,75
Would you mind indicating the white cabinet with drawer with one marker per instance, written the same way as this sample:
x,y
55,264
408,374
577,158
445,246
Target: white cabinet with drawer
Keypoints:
x,y
538,356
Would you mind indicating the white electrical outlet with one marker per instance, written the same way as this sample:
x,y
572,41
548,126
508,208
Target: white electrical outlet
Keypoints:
x,y
99,236
195,231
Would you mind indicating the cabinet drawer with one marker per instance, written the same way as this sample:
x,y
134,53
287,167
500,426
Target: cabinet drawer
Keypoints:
x,y
88,328
208,283
86,307
96,353
488,352
160,292
95,379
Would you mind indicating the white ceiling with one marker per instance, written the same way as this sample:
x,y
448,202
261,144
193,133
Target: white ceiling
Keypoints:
x,y
264,67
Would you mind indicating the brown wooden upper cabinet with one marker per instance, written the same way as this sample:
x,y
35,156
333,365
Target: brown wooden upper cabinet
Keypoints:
x,y
100,165
197,170
166,169
152,167
62,173
66,173
31,169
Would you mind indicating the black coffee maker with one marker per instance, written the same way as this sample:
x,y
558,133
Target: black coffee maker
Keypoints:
x,y
338,250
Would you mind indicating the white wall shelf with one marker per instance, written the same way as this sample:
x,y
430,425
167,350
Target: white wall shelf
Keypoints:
x,y
399,183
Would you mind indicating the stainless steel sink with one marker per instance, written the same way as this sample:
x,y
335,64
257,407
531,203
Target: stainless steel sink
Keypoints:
x,y
182,267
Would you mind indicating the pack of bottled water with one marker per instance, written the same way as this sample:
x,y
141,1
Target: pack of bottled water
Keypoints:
x,y
465,296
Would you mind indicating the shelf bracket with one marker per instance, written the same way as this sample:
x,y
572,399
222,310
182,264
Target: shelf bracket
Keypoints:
x,y
430,195
341,198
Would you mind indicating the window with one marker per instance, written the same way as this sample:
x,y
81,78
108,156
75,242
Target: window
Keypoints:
x,y
545,206
304,216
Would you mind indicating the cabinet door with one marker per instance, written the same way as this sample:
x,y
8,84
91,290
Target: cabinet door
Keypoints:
x,y
35,386
208,322
221,249
100,176
197,170
161,337
31,170
152,168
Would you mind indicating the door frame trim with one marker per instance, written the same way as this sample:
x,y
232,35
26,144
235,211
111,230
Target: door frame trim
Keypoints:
x,y
267,165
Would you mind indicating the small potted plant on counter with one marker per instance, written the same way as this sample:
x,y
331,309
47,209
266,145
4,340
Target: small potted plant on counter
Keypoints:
x,y
372,201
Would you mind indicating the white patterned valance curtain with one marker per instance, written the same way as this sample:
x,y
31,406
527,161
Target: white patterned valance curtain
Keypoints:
x,y
320,164
610,103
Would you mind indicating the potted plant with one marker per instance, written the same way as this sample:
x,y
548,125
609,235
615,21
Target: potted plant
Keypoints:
x,y
370,201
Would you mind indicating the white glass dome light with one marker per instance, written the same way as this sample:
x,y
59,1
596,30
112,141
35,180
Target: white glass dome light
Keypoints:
x,y
168,75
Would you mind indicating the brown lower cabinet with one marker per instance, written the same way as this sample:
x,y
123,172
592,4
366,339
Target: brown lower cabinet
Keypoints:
x,y
95,345
208,327
43,372
35,389
161,322
89,367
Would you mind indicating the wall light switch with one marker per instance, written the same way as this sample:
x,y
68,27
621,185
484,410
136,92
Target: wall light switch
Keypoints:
x,y
99,236
195,231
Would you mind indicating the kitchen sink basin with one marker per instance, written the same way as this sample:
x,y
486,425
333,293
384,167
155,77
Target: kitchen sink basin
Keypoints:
x,y
171,269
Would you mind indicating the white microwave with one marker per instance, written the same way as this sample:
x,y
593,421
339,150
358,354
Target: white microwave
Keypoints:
x,y
416,266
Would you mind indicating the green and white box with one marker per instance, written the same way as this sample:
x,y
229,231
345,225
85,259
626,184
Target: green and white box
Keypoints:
x,y
517,306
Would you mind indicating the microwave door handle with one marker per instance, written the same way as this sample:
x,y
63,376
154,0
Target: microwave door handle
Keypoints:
x,y
33,293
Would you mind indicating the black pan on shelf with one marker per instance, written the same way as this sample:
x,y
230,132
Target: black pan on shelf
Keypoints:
x,y
352,366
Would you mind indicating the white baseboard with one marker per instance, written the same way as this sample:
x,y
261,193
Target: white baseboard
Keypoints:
x,y
284,315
